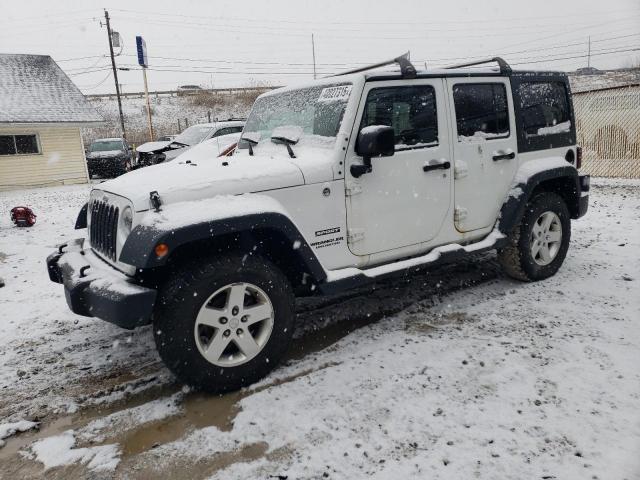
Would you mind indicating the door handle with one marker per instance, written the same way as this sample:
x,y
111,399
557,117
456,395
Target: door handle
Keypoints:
x,y
437,165
507,154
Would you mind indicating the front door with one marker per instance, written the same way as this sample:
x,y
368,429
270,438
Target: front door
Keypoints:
x,y
405,198
485,149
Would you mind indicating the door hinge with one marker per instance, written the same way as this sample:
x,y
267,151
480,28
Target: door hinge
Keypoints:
x,y
355,235
460,214
353,189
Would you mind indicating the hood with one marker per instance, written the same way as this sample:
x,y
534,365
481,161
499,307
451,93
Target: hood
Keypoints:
x,y
180,181
105,154
151,146
174,152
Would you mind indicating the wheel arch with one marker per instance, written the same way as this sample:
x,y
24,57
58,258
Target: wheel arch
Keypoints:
x,y
272,235
563,181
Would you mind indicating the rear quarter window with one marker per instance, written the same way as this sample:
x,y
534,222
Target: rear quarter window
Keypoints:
x,y
544,112
544,108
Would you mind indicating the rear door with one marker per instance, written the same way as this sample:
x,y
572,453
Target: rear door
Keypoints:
x,y
401,203
484,148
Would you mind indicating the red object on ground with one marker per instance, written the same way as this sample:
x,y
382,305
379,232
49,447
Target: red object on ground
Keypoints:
x,y
23,216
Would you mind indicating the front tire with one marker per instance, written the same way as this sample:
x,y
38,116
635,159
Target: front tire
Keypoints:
x,y
224,323
538,245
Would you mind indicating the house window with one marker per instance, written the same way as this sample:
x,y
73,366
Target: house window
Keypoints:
x,y
19,145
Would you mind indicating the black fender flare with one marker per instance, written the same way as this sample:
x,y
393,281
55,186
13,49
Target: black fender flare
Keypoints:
x,y
81,221
139,248
514,206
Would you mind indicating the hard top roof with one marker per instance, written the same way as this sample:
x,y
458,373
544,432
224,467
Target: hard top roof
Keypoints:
x,y
458,72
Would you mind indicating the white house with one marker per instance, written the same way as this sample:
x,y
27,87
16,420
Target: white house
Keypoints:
x,y
41,113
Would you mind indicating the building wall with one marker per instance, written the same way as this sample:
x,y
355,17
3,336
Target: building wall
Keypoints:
x,y
60,162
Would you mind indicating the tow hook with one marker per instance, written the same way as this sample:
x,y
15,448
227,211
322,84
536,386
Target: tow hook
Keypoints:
x,y
154,198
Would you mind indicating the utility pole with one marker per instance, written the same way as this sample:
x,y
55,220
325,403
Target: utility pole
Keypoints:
x,y
589,53
146,96
313,51
115,74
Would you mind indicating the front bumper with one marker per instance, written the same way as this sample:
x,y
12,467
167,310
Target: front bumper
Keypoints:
x,y
107,166
94,289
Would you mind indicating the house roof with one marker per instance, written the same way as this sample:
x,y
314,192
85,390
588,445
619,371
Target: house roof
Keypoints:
x,y
34,89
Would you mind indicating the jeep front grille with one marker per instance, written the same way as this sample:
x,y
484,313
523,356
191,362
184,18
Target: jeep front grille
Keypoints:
x,y
104,228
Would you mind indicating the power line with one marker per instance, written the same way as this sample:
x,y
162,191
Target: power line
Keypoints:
x,y
30,18
80,58
49,25
288,32
351,64
90,71
90,67
524,61
425,23
99,83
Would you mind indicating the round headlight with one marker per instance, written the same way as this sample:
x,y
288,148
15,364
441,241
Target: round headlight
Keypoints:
x,y
127,220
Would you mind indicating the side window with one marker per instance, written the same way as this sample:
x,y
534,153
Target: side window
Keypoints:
x,y
19,145
544,107
481,110
235,129
411,111
222,131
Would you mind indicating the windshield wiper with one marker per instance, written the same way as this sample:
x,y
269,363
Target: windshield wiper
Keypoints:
x,y
287,142
180,144
251,142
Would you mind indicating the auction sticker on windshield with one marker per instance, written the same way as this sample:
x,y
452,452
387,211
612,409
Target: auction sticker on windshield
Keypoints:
x,y
331,94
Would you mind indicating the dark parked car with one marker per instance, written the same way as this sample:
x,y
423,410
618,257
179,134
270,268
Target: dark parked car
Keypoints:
x,y
109,157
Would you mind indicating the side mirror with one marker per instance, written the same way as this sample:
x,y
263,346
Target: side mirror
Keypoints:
x,y
373,141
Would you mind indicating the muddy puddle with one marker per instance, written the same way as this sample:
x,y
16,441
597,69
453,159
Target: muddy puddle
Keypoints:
x,y
197,410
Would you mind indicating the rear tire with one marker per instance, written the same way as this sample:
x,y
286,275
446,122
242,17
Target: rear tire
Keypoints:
x,y
211,340
538,245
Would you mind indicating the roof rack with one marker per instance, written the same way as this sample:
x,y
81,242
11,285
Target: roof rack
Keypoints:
x,y
406,67
504,66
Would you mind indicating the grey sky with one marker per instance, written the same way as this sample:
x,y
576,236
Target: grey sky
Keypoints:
x,y
231,43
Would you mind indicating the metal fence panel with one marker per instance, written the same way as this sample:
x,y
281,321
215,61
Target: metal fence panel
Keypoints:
x,y
608,128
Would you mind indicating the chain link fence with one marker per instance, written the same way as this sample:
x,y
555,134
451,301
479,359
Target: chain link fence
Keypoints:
x,y
608,128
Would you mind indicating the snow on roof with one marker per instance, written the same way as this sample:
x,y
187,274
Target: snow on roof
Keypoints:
x,y
34,89
221,123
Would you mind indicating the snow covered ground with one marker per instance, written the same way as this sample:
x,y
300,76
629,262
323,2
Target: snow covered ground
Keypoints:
x,y
456,373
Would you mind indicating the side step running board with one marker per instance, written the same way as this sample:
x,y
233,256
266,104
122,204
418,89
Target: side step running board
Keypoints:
x,y
346,278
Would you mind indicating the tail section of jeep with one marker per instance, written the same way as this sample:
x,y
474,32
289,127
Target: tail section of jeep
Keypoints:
x,y
334,184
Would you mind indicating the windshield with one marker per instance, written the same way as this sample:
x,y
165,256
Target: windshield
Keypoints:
x,y
193,135
106,146
315,111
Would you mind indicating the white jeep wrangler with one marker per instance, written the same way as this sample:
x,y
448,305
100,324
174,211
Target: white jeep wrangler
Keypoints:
x,y
334,184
